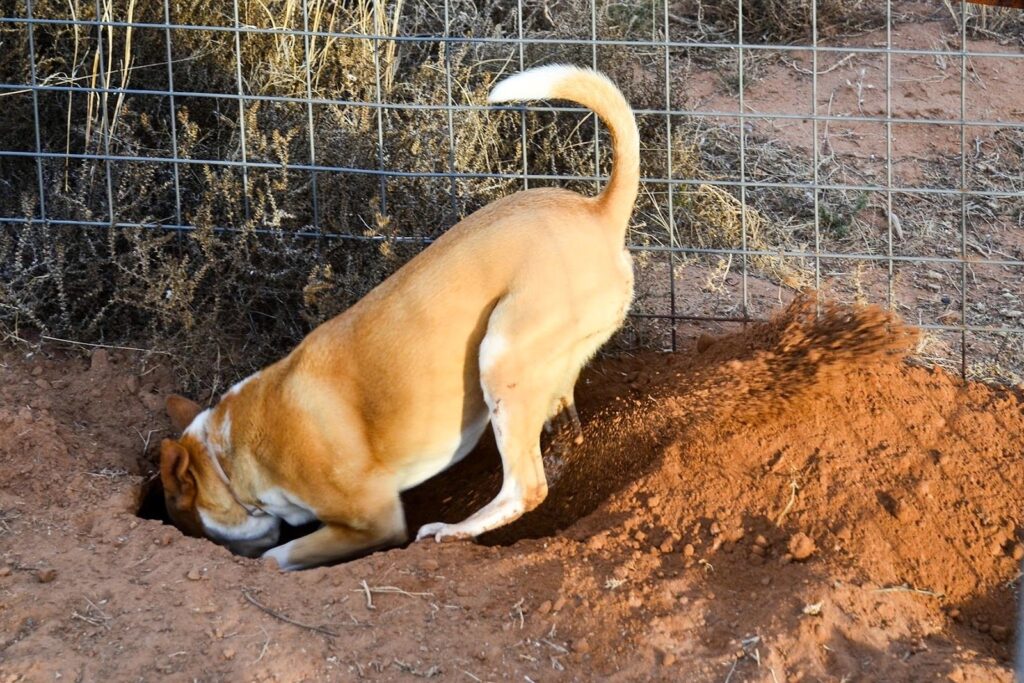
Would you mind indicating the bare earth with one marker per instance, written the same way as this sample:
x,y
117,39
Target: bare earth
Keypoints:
x,y
792,502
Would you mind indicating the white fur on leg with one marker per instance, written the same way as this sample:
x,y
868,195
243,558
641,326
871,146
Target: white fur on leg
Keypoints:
x,y
506,507
280,554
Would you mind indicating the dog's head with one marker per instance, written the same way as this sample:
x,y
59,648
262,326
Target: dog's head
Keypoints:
x,y
199,499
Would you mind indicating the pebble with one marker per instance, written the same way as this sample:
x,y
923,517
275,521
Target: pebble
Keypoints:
x,y
715,529
640,536
786,559
5,571
37,370
757,550
666,546
999,633
193,574
100,361
1018,551
46,575
544,607
430,565
995,549
229,653
761,541
559,604
582,646
766,580
688,550
668,660
43,384
734,535
800,546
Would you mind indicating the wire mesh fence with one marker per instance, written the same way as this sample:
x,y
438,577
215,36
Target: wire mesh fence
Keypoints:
x,y
871,151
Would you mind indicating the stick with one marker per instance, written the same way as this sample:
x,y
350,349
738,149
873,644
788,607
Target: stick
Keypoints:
x,y
277,615
909,589
102,346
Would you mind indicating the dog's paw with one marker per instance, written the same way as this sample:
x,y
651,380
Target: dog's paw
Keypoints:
x,y
440,532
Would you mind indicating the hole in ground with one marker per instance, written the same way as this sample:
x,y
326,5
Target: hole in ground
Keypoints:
x,y
154,507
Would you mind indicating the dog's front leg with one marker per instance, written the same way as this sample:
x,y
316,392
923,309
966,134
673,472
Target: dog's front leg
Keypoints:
x,y
338,541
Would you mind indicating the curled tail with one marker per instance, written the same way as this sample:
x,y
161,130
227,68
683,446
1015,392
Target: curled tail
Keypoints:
x,y
595,92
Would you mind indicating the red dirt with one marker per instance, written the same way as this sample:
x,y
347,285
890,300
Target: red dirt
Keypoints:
x,y
792,502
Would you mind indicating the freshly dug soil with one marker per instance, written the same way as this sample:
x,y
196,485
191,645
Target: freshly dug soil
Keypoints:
x,y
793,501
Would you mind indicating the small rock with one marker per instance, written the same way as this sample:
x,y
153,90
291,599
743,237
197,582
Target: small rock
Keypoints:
x,y
734,535
715,529
999,633
995,549
757,550
801,546
463,590
46,575
668,660
704,342
132,384
193,574
654,501
640,536
559,604
666,546
582,646
229,653
100,361
37,370
761,541
766,580
1018,551
5,571
954,614
42,384
544,607
153,402
786,559
688,550
430,565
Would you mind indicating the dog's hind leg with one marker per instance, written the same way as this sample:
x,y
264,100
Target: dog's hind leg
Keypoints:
x,y
519,392
568,419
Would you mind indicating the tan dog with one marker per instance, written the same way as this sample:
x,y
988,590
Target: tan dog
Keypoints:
x,y
490,324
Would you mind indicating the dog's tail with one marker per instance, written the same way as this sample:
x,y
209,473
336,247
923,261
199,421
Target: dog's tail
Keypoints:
x,y
596,92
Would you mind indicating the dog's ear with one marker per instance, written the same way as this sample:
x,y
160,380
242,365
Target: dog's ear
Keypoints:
x,y
181,411
179,482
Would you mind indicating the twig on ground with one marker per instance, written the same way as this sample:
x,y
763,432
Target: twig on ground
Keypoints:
x,y
103,346
288,620
367,590
789,506
909,589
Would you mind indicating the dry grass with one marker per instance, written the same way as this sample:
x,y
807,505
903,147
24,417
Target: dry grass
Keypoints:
x,y
249,281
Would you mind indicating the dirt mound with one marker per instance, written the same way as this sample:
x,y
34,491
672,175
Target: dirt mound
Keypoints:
x,y
789,502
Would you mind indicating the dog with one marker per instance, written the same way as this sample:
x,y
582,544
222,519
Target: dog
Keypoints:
x,y
490,324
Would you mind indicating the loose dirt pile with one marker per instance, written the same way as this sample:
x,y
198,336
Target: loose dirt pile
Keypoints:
x,y
791,502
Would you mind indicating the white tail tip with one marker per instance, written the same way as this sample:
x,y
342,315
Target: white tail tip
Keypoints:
x,y
533,84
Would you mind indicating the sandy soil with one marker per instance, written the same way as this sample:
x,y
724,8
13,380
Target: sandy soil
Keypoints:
x,y
792,502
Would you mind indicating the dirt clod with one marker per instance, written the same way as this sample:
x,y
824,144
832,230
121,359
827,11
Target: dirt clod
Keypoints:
x,y
47,575
801,546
